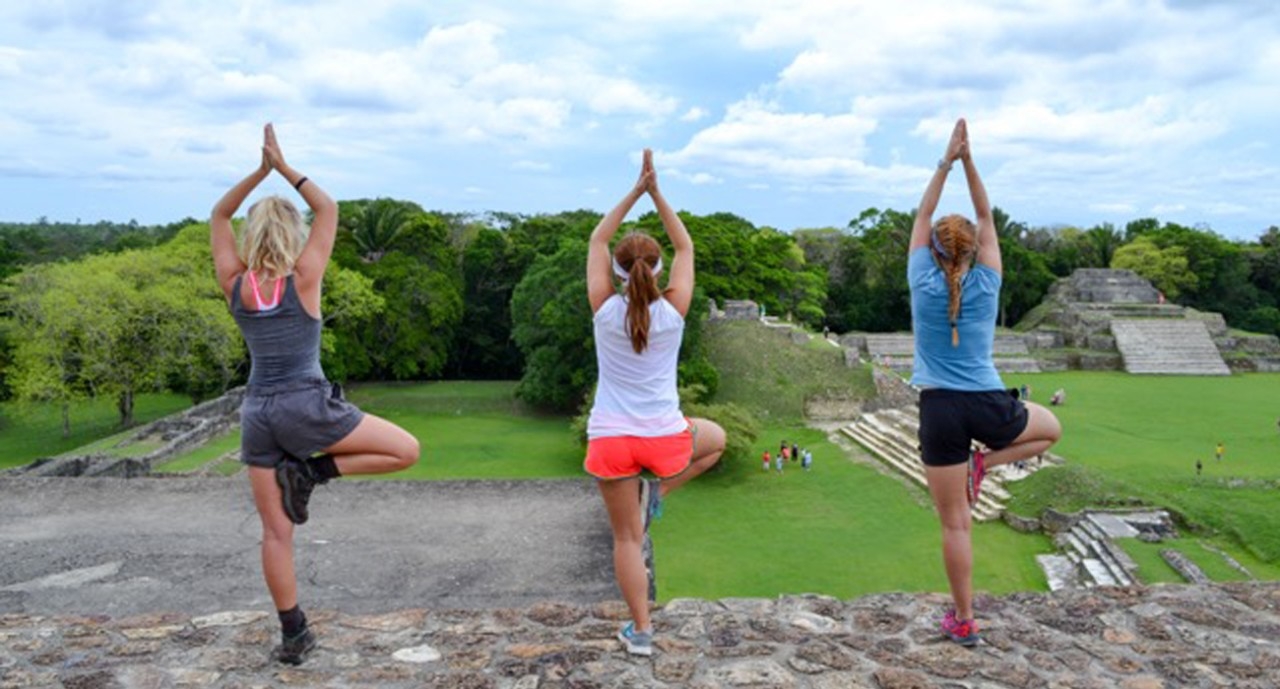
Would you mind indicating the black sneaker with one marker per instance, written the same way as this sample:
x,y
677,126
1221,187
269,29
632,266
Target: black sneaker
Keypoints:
x,y
294,650
296,483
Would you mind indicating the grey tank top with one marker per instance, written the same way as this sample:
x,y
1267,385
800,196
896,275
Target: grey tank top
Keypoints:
x,y
284,342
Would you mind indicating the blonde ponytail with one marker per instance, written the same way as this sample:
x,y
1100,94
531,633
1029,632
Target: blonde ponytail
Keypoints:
x,y
273,237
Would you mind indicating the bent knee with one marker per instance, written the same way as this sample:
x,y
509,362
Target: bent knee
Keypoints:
x,y
409,451
711,437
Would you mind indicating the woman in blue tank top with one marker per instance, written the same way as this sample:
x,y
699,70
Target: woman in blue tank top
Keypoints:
x,y
291,412
954,270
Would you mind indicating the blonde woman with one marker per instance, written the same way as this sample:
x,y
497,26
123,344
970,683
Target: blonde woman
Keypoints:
x,y
291,412
954,270
636,423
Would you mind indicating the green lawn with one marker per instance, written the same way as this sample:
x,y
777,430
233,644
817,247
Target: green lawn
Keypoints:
x,y
843,529
31,431
474,429
1138,437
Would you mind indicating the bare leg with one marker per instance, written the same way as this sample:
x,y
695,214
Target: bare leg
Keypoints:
x,y
708,444
1042,431
376,446
622,503
947,486
277,538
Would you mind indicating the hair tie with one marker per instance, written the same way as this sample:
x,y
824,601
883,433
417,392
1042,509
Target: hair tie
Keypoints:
x,y
937,245
624,276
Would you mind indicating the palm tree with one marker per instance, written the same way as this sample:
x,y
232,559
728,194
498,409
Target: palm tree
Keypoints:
x,y
375,225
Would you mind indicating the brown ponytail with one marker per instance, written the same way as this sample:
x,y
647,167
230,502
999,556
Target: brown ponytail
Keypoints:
x,y
954,243
638,255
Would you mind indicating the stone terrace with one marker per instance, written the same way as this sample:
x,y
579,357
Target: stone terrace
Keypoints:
x,y
1127,637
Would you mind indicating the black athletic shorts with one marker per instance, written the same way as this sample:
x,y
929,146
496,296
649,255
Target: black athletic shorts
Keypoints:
x,y
950,420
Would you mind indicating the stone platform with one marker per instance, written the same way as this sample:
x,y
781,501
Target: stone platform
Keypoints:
x,y
123,547
1130,638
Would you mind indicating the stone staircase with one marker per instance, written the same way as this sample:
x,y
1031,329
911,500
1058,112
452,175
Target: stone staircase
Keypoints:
x,y
1089,556
1168,346
890,435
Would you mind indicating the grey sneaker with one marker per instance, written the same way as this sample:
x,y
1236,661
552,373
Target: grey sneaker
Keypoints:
x,y
294,650
637,643
296,483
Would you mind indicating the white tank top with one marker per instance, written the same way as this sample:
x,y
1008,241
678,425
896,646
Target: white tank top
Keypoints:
x,y
636,393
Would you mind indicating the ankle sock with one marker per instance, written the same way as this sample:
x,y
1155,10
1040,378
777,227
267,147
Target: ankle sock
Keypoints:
x,y
324,467
292,621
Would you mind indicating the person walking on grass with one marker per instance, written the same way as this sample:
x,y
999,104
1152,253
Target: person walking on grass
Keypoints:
x,y
290,411
766,460
954,272
1220,450
635,423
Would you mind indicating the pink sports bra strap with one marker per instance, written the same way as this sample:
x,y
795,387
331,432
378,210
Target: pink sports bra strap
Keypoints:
x,y
257,294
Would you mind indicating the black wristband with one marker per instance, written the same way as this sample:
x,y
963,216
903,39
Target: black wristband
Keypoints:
x,y
297,186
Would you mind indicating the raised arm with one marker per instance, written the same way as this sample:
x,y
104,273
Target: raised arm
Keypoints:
x,y
988,240
922,229
679,290
226,260
308,269
599,262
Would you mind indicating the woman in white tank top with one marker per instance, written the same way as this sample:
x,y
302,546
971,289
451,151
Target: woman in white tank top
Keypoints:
x,y
635,422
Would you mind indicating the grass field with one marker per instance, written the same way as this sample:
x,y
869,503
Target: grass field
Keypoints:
x,y
843,529
1138,438
31,431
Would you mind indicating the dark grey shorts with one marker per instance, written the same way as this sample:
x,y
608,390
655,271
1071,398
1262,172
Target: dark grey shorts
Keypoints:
x,y
299,419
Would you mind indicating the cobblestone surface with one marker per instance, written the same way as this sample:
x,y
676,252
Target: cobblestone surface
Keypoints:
x,y
1133,638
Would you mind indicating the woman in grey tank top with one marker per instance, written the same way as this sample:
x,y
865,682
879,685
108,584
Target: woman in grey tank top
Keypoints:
x,y
296,430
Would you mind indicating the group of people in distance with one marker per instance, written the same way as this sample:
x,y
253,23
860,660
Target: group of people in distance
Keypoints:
x,y
298,431
787,453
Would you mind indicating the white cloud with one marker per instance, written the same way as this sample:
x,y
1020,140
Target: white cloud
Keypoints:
x,y
693,114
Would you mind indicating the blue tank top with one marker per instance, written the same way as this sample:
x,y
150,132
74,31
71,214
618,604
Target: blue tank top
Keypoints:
x,y
968,366
284,342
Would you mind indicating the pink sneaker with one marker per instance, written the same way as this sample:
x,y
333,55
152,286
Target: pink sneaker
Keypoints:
x,y
963,632
977,472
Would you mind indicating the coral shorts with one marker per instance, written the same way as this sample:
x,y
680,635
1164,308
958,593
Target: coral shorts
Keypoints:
x,y
625,456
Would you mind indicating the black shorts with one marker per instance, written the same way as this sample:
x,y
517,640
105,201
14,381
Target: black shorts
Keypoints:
x,y
950,420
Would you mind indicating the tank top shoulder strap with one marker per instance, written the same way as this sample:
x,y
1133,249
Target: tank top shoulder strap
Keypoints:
x,y
235,302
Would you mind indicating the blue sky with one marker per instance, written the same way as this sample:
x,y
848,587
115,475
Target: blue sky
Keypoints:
x,y
790,114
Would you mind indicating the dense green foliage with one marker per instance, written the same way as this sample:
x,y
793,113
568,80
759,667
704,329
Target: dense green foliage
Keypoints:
x,y
421,295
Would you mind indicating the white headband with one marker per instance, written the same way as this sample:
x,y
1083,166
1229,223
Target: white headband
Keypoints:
x,y
624,275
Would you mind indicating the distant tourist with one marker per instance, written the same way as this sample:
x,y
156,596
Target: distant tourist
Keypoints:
x,y
954,272
785,453
1199,466
767,460
808,460
1219,451
1025,391
826,332
780,462
290,411
795,452
635,423
1059,397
